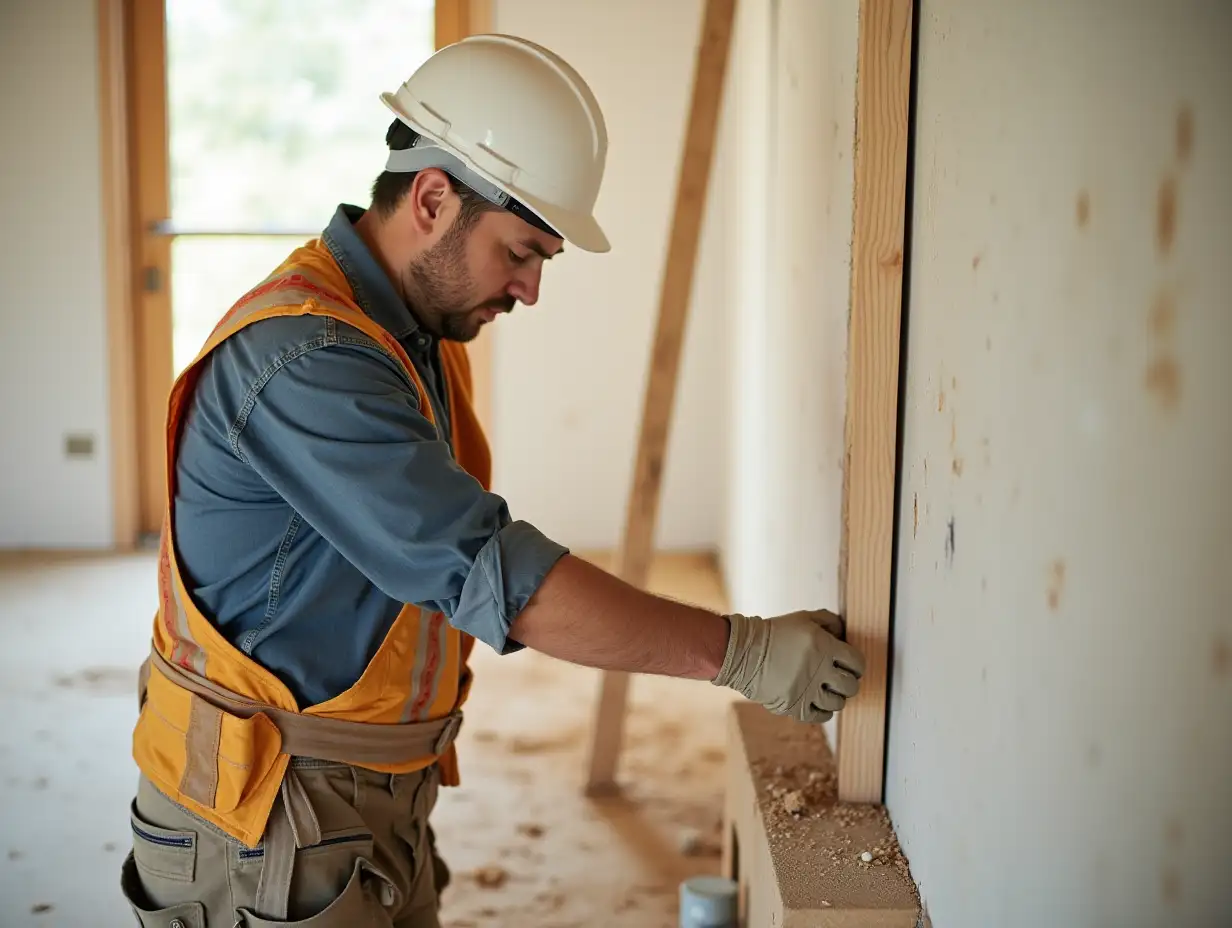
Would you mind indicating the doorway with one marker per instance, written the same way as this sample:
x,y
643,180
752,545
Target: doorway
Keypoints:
x,y
249,122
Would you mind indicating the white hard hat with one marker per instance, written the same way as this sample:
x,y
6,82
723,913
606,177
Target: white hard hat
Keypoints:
x,y
515,123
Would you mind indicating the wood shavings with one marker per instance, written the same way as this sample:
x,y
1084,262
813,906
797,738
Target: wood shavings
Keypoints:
x,y
799,790
851,845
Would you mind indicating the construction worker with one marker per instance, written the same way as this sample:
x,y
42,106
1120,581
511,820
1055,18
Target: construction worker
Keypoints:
x,y
331,551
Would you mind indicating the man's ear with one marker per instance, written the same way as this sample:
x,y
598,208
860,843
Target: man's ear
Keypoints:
x,y
429,197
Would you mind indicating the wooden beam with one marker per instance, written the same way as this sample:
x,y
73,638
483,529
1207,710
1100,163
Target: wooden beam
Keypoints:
x,y
118,269
883,90
674,297
149,175
454,20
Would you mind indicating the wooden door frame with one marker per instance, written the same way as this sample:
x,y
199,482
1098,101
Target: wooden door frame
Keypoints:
x,y
135,195
114,152
149,205
136,190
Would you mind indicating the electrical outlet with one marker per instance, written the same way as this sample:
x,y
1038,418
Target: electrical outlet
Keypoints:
x,y
78,445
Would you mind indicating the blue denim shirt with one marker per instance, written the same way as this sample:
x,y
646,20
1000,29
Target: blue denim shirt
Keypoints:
x,y
314,498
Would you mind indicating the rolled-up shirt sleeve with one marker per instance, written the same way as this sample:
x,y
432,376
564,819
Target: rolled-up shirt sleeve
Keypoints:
x,y
338,433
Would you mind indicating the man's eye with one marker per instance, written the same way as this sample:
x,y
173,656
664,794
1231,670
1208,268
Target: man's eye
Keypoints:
x,y
517,258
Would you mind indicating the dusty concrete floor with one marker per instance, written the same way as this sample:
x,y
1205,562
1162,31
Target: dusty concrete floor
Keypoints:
x,y
75,630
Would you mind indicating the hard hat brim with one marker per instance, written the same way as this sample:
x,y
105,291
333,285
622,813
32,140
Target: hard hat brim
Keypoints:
x,y
581,230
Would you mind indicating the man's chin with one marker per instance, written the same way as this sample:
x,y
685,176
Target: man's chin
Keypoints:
x,y
463,334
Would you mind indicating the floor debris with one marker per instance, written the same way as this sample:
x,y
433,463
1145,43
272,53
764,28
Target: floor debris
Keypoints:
x,y
522,756
491,877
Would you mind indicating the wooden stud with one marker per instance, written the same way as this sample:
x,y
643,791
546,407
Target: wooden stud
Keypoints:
x,y
117,247
640,519
883,89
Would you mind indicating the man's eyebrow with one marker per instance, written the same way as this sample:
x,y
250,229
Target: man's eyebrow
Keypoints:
x,y
540,250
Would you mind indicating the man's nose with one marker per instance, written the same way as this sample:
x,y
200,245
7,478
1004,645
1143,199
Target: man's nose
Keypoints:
x,y
525,286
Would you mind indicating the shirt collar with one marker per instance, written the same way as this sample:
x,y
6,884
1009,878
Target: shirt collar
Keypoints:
x,y
373,290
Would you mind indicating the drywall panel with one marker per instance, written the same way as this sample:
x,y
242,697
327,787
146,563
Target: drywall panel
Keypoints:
x,y
791,261
569,373
53,375
1060,749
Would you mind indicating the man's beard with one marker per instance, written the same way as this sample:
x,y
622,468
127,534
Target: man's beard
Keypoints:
x,y
443,291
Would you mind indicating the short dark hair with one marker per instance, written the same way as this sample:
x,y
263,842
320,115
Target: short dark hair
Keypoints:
x,y
390,188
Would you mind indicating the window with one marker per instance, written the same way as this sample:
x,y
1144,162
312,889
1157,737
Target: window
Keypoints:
x,y
274,119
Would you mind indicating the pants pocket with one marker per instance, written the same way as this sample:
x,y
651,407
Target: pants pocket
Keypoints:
x,y
166,853
323,871
180,915
358,904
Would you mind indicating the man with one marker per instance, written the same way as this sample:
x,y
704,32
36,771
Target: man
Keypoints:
x,y
331,551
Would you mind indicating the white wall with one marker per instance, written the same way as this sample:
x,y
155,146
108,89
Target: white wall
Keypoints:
x,y
53,376
1061,722
569,374
794,117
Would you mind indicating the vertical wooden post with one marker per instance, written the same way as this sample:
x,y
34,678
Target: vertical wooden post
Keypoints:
x,y
451,21
149,178
118,262
883,91
642,514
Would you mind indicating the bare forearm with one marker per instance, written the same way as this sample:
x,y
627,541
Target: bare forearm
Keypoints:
x,y
584,615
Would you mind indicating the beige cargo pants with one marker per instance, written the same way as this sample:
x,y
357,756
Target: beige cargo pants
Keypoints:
x,y
374,865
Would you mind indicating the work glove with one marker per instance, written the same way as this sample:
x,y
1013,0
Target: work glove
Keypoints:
x,y
794,665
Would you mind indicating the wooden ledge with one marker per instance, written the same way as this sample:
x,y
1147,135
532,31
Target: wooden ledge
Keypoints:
x,y
794,849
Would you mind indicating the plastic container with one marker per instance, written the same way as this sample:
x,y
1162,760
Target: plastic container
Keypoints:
x,y
708,902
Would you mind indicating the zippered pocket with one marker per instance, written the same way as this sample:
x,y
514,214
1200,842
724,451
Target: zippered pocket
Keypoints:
x,y
253,853
164,852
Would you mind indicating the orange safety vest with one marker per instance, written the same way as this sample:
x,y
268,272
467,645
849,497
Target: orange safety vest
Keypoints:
x,y
226,768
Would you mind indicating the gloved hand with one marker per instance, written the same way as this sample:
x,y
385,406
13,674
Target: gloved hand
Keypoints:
x,y
794,665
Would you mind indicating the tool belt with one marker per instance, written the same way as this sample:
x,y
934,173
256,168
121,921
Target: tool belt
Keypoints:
x,y
359,743
292,821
